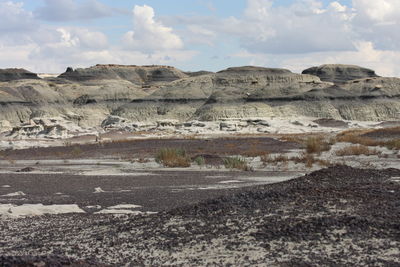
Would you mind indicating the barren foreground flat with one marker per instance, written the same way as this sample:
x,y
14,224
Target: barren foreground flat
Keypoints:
x,y
335,216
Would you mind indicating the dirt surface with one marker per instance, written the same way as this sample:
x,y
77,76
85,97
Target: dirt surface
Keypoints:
x,y
338,216
149,148
332,123
384,134
154,191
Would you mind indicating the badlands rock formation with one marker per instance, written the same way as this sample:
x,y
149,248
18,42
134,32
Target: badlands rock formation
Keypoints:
x,y
337,73
16,74
114,96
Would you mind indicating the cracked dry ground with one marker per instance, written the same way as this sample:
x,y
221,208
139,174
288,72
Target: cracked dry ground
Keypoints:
x,y
336,216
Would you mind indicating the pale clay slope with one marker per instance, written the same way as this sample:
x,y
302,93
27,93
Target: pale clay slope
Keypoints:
x,y
83,100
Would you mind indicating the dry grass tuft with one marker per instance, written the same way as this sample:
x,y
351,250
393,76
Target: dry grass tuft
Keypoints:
x,y
173,157
309,160
317,145
254,151
281,158
294,138
393,144
357,151
354,137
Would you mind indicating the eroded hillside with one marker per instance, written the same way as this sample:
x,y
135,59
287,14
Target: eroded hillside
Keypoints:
x,y
140,94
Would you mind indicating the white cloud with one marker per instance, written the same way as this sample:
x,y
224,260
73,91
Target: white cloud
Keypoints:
x,y
27,42
305,26
149,35
382,11
68,10
378,22
384,62
14,18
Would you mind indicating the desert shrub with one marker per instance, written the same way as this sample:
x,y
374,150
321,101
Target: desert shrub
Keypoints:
x,y
393,144
281,158
309,160
356,151
354,137
317,144
173,157
267,158
199,160
67,143
306,158
236,163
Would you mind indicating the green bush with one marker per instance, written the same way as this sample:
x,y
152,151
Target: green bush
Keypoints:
x,y
200,161
236,163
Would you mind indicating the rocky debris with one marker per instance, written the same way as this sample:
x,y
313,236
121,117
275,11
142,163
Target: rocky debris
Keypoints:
x,y
337,73
5,126
7,75
119,123
26,169
258,122
226,126
140,75
84,100
45,127
338,216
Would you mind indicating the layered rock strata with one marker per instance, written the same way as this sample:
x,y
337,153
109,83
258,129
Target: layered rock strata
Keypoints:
x,y
147,94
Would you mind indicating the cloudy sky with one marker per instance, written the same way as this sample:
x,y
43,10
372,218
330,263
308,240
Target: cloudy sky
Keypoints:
x,y
50,35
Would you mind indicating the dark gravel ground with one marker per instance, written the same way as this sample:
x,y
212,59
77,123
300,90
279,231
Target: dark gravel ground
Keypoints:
x,y
338,216
384,134
332,123
149,148
154,191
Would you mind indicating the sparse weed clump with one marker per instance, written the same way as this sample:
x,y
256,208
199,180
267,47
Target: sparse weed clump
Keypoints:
x,y
173,157
236,163
309,160
76,151
357,151
354,137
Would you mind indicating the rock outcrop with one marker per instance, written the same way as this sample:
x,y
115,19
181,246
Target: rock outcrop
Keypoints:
x,y
139,75
337,73
135,97
47,128
7,75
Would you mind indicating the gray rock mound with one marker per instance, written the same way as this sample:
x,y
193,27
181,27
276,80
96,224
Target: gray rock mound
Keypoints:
x,y
7,75
139,75
337,73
